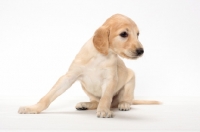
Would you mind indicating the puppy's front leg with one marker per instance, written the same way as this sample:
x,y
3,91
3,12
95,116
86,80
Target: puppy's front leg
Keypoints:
x,y
60,87
103,109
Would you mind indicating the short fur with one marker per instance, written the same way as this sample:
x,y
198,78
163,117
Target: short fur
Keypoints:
x,y
103,75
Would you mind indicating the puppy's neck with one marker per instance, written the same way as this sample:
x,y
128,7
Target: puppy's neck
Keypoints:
x,y
88,52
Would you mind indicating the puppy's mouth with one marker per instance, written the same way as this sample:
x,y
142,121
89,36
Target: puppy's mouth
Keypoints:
x,y
132,54
132,57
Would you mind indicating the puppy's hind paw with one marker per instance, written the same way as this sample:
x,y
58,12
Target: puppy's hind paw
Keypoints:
x,y
27,110
81,106
124,106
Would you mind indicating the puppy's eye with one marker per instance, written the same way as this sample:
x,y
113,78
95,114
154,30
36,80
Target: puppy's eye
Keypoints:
x,y
124,34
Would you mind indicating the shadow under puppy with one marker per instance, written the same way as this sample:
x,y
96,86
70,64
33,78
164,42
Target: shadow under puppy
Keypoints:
x,y
102,73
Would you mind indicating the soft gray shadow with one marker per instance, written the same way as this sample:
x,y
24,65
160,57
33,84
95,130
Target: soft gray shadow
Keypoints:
x,y
71,112
130,117
118,115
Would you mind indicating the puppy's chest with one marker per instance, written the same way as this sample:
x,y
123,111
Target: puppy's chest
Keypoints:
x,y
93,76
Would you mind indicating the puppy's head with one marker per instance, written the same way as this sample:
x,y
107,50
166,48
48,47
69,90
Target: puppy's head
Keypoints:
x,y
119,34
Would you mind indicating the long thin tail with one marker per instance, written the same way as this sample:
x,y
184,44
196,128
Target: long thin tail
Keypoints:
x,y
145,102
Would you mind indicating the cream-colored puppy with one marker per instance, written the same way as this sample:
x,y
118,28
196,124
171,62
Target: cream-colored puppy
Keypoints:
x,y
102,74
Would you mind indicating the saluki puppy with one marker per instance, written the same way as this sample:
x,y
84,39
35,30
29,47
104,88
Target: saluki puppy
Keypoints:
x,y
102,73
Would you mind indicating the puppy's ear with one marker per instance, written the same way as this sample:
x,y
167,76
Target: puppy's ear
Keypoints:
x,y
100,40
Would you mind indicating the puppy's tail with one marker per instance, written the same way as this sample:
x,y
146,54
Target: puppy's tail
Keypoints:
x,y
145,102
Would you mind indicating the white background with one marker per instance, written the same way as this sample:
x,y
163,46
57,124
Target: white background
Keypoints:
x,y
39,39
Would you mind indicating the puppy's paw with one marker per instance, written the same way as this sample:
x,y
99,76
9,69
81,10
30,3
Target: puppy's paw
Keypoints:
x,y
124,106
104,114
28,110
81,106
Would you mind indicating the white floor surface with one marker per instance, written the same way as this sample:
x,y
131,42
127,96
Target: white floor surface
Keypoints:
x,y
174,115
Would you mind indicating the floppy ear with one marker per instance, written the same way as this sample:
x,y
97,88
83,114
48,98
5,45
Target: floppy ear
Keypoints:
x,y
100,40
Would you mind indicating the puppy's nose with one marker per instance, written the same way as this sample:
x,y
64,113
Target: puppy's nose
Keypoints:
x,y
139,51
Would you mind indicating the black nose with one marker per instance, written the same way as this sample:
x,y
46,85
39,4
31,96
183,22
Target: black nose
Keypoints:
x,y
139,51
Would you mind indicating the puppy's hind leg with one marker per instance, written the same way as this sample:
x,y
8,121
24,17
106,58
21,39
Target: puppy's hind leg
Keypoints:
x,y
93,104
87,105
60,87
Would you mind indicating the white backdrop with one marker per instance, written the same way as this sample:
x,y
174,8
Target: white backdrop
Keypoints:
x,y
39,39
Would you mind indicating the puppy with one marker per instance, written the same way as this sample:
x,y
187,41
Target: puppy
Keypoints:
x,y
102,73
